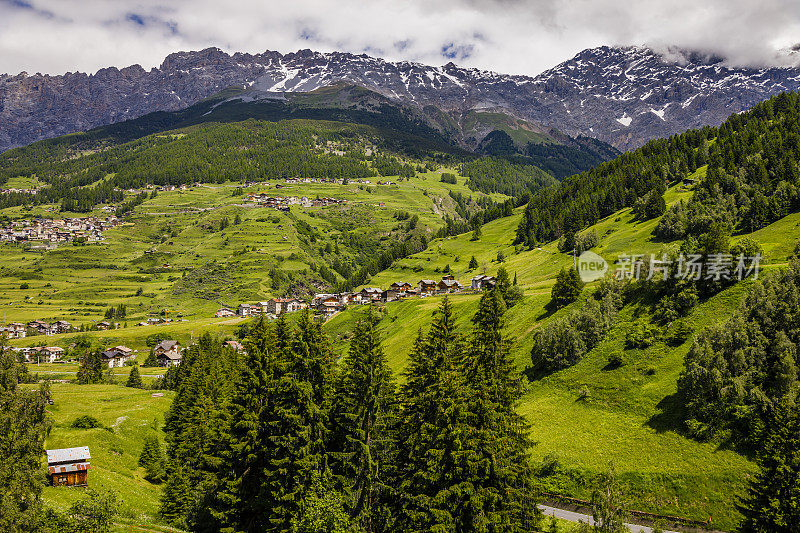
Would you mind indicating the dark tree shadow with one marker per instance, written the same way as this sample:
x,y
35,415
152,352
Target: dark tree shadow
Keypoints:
x,y
671,416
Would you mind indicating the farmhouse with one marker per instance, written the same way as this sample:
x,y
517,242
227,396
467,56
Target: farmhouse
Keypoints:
x,y
117,356
68,467
371,294
244,310
483,282
224,312
60,326
41,327
277,306
426,287
168,353
50,354
14,330
401,287
448,284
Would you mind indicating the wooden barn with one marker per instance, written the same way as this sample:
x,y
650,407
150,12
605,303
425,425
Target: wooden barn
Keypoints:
x,y
68,467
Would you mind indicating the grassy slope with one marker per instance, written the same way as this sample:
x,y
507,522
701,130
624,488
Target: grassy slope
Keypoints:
x,y
77,283
128,415
628,418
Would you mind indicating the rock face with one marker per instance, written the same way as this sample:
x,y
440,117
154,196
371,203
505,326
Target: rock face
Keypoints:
x,y
623,96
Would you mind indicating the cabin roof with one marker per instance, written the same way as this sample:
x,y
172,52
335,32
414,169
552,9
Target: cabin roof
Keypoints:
x,y
68,455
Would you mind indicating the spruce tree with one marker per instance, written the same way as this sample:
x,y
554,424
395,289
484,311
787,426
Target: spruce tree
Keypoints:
x,y
428,427
134,378
493,461
152,459
90,368
473,263
362,415
772,502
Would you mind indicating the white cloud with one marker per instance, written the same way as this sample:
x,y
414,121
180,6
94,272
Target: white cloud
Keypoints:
x,y
514,36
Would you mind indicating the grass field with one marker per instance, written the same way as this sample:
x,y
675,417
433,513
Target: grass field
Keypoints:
x,y
128,416
628,417
170,255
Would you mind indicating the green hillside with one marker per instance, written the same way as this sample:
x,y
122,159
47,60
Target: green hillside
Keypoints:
x,y
198,243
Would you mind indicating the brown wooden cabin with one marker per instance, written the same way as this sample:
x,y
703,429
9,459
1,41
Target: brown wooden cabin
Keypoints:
x,y
68,467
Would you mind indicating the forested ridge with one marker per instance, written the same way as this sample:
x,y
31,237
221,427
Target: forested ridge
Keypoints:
x,y
751,179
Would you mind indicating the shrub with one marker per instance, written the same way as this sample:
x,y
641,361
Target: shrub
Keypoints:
x,y
86,422
642,335
615,360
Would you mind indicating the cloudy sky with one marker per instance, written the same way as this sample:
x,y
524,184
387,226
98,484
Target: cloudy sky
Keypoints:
x,y
511,36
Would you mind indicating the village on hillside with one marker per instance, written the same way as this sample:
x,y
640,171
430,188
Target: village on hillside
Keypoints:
x,y
87,229
326,305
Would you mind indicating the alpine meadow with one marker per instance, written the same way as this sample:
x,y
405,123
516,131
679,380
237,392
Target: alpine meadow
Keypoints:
x,y
331,293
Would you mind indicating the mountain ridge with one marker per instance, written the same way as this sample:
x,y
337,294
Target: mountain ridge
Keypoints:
x,y
622,96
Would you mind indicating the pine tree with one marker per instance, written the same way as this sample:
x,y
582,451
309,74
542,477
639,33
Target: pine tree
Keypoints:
x,y
150,360
134,378
494,457
152,459
428,425
473,263
772,502
362,415
274,445
90,368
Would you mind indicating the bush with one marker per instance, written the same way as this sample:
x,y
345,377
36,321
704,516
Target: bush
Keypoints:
x,y
679,333
642,335
448,178
567,288
86,422
615,360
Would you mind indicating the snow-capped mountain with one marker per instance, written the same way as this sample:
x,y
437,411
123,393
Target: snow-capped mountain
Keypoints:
x,y
623,96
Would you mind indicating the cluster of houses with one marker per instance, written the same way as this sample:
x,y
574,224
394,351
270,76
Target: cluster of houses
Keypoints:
x,y
283,203
88,229
273,307
329,304
39,354
20,191
18,330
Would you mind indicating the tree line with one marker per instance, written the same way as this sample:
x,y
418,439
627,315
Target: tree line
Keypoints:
x,y
286,440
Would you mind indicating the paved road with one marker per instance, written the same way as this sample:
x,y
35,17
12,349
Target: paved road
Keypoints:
x,y
572,516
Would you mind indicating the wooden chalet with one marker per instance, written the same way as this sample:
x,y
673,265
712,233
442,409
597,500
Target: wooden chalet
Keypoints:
x,y
68,467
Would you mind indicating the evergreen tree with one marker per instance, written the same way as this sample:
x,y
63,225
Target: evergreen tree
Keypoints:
x,y
431,406
274,445
150,360
23,427
152,459
493,463
134,378
473,263
772,502
567,288
90,368
362,415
